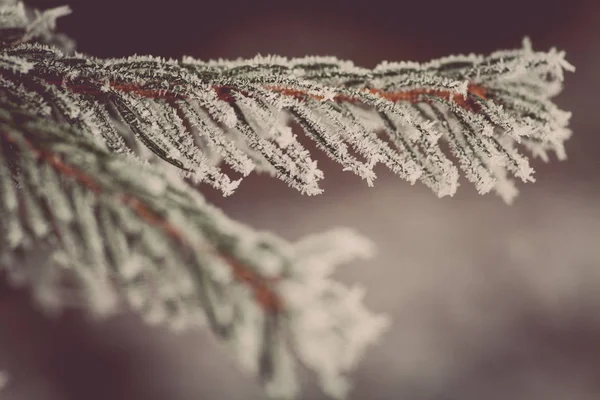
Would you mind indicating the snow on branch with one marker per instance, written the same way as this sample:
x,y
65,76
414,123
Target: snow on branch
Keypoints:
x,y
125,232
194,114
19,24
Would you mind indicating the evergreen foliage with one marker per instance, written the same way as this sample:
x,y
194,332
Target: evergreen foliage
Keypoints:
x,y
100,161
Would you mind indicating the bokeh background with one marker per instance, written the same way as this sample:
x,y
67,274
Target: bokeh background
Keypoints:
x,y
488,301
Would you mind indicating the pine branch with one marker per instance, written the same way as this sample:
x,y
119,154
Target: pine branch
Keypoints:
x,y
119,227
104,189
185,112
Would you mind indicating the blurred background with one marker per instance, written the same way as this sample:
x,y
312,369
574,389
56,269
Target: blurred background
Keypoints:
x,y
488,301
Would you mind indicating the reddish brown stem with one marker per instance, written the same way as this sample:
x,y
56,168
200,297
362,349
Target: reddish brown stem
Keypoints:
x,y
224,93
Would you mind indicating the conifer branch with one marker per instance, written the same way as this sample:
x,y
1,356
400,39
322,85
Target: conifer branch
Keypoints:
x,y
104,188
184,111
122,228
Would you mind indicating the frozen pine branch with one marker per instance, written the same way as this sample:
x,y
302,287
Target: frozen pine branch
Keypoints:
x,y
193,114
125,232
108,189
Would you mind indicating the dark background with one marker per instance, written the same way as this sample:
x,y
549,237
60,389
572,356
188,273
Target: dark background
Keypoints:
x,y
488,301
